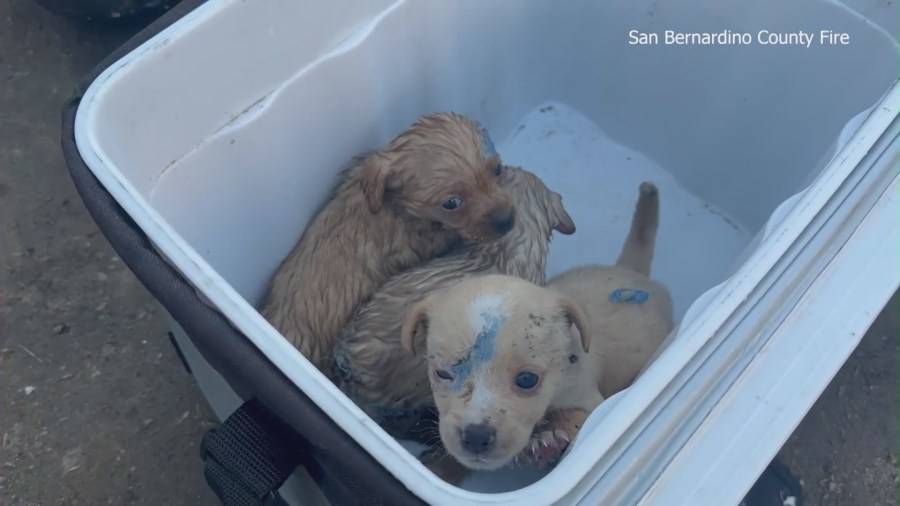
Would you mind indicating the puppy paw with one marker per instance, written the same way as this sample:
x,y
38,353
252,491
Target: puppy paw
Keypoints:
x,y
551,437
546,447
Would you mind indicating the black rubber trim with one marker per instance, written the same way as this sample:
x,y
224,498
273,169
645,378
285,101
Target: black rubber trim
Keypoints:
x,y
346,473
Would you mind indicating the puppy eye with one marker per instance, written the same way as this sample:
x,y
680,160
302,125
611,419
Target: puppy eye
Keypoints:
x,y
498,169
444,375
526,380
452,203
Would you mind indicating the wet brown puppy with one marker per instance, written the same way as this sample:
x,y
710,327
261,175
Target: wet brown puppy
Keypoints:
x,y
375,370
432,186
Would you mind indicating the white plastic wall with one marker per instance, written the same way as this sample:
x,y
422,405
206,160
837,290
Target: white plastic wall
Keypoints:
x,y
241,124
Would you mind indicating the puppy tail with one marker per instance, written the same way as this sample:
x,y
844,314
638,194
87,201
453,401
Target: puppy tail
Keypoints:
x,y
637,252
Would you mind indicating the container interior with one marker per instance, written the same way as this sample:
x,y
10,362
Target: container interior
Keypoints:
x,y
235,129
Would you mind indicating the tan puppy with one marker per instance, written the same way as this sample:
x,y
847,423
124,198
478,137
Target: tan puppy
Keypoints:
x,y
393,209
630,313
515,386
373,368
502,352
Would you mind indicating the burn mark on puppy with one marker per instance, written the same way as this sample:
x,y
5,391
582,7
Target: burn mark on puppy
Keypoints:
x,y
537,320
487,145
466,394
480,352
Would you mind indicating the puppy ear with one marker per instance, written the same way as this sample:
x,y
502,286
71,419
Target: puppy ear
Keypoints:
x,y
562,221
415,324
376,176
575,316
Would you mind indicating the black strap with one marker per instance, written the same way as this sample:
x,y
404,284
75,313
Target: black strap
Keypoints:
x,y
249,457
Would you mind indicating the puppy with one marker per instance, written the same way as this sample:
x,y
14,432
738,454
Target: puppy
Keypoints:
x,y
502,352
509,381
630,313
371,364
433,185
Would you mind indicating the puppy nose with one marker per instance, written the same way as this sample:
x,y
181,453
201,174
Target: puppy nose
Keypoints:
x,y
478,438
503,220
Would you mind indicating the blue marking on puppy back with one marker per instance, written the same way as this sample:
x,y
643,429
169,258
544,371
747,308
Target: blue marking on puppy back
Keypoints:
x,y
481,352
629,296
487,145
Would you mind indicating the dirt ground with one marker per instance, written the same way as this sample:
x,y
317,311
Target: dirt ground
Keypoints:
x,y
97,409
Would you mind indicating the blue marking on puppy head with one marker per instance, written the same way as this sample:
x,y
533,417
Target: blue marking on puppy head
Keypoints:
x,y
629,296
481,352
487,145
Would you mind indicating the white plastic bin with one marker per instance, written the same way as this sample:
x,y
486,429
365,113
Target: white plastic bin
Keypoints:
x,y
776,163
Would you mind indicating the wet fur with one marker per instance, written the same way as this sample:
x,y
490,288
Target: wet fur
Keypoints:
x,y
385,217
372,366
